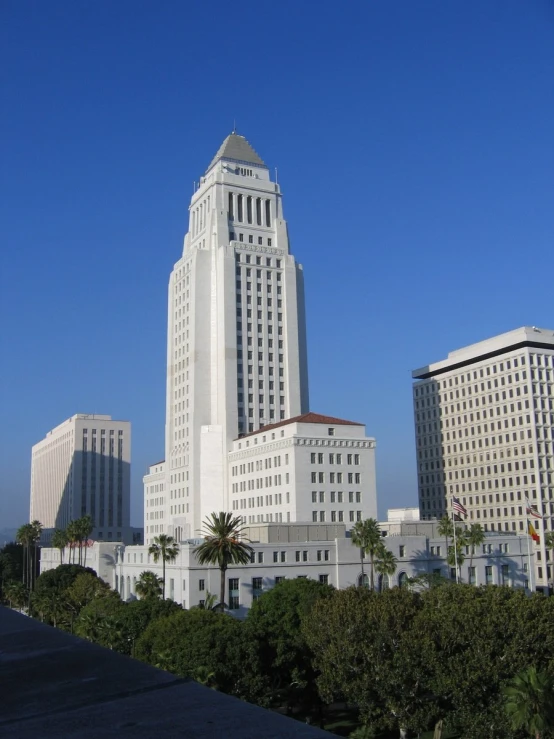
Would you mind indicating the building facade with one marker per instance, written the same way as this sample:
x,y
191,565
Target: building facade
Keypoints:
x,y
236,350
82,467
484,423
322,552
310,468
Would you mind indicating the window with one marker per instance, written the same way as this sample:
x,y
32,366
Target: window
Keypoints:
x,y
505,573
279,579
260,557
201,585
257,586
324,579
402,551
471,575
331,431
233,593
488,575
304,556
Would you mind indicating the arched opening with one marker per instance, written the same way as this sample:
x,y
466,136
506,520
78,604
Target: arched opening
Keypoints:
x,y
402,579
363,580
384,583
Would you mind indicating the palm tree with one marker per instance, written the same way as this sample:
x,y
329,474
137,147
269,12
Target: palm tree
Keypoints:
x,y
385,563
36,533
149,585
60,541
367,535
72,531
446,529
222,545
456,554
164,547
17,594
530,702
474,537
25,537
85,526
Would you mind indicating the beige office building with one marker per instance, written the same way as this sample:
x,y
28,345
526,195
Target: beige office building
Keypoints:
x,y
484,422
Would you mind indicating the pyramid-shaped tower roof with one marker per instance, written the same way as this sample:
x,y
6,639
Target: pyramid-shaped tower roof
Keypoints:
x,y
238,149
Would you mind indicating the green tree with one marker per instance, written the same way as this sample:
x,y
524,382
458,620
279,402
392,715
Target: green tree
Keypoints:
x,y
50,599
198,640
149,585
446,529
223,545
17,594
163,547
367,536
474,537
286,659
385,563
530,702
59,541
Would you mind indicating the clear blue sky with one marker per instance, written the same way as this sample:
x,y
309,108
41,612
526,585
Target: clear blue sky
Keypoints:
x,y
414,142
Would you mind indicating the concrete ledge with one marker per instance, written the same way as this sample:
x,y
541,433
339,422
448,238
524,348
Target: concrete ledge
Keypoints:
x,y
56,685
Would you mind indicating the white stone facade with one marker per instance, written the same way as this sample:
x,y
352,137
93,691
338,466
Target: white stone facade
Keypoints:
x,y
319,551
155,502
484,421
236,354
310,468
83,467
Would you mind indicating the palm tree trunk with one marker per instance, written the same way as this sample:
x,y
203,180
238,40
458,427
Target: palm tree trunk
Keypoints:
x,y
222,590
163,577
362,561
372,574
85,556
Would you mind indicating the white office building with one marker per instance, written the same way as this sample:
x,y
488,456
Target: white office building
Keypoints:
x,y
82,467
236,350
484,421
321,552
310,468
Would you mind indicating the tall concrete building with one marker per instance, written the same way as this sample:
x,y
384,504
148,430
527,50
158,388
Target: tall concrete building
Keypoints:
x,y
236,350
83,467
484,421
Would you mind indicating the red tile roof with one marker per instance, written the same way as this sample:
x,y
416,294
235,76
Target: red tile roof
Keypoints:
x,y
306,418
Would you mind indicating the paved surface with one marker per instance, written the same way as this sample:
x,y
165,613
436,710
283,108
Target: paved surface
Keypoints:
x,y
54,685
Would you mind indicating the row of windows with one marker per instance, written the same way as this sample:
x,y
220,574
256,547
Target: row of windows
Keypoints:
x,y
336,516
246,209
352,478
336,497
319,458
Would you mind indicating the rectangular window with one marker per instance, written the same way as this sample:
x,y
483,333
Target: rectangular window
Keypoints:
x,y
304,556
488,575
324,579
402,551
257,585
201,585
279,579
233,593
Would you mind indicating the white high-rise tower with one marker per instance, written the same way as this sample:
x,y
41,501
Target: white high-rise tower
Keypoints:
x,y
236,354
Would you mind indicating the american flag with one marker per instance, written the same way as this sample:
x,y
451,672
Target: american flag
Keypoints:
x,y
457,507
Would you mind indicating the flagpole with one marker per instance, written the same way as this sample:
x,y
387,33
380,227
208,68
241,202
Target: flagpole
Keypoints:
x,y
455,547
529,558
